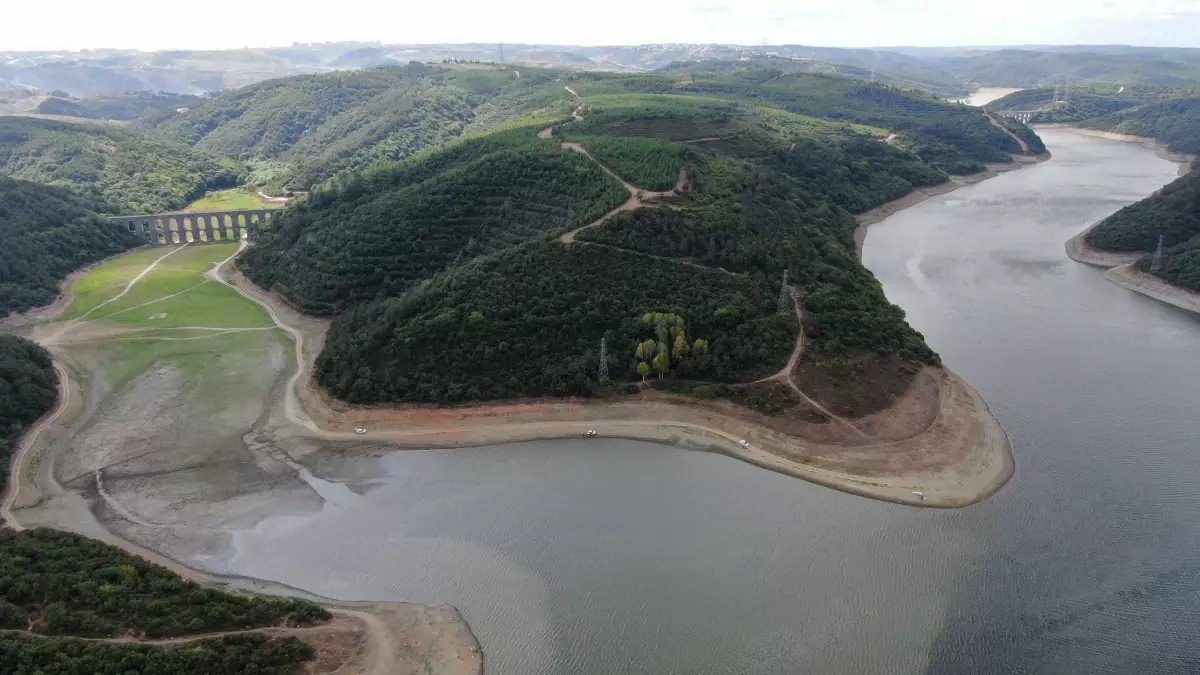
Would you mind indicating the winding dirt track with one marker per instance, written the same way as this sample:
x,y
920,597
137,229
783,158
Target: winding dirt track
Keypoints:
x,y
128,286
996,123
17,464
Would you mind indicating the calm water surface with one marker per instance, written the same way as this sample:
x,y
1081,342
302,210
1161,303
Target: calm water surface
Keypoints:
x,y
616,557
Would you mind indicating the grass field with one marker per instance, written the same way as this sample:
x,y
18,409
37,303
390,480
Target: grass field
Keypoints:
x,y
175,293
235,199
219,340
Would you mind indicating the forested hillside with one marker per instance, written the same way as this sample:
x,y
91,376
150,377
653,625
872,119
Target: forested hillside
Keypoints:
x,y
62,584
1174,122
1173,213
466,273
48,232
28,389
121,171
380,233
126,107
301,130
1027,68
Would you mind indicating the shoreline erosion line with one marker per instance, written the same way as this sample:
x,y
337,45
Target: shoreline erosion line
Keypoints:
x,y
1119,266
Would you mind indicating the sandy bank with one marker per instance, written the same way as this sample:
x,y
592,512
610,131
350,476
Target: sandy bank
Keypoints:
x,y
1080,251
1129,277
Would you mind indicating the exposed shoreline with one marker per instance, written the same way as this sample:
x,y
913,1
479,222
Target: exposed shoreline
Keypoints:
x,y
1118,265
976,457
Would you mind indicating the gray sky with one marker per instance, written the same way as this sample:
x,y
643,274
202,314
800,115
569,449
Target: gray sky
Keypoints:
x,y
155,24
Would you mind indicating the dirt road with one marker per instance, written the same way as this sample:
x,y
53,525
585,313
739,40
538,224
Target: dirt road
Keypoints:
x,y
17,464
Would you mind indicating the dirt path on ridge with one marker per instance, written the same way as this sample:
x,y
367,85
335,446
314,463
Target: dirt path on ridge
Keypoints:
x,y
1001,127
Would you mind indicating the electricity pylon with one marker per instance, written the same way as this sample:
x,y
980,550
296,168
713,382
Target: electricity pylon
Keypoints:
x,y
1156,264
785,298
603,374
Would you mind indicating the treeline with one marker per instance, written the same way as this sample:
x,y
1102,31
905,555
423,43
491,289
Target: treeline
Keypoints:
x,y
1175,123
1180,264
230,655
748,220
857,174
121,171
125,107
60,583
48,232
314,126
1173,212
28,390
360,240
528,321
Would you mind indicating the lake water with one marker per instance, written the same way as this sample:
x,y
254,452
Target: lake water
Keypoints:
x,y
616,557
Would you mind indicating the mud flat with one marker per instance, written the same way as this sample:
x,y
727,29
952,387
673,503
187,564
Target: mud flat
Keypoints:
x,y
163,440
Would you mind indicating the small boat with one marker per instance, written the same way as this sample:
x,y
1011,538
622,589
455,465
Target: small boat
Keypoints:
x,y
920,494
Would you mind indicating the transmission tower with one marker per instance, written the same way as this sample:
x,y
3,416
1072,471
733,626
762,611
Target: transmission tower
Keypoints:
x,y
1156,264
603,374
785,298
501,53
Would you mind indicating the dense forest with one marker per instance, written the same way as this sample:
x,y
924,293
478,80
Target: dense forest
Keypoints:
x,y
362,243
303,130
1174,122
48,232
121,171
951,137
28,390
1173,212
449,283
60,583
754,221
230,655
124,107
528,321
1028,68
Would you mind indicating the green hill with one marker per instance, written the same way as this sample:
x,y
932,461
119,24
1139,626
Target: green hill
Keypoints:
x,y
48,232
450,281
121,171
1026,68
301,130
126,107
1174,122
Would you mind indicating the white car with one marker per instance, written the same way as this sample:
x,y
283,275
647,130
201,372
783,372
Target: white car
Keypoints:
x,y
744,443
360,430
589,433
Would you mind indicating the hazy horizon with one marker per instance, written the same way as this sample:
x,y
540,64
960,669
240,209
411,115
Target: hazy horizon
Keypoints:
x,y
226,24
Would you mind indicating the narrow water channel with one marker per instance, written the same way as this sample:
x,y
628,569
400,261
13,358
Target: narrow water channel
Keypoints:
x,y
581,557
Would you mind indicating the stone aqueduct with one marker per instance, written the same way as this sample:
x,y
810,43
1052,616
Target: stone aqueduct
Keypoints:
x,y
198,227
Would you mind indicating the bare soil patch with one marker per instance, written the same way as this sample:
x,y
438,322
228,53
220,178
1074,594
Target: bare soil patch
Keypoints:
x,y
869,383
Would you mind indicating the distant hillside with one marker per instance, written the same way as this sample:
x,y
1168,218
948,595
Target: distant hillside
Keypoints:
x,y
482,270
120,170
302,130
126,107
48,233
1174,122
1021,68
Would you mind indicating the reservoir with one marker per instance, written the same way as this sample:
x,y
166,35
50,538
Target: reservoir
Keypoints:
x,y
580,557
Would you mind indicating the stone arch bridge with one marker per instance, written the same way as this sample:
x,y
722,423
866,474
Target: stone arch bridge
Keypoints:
x,y
198,227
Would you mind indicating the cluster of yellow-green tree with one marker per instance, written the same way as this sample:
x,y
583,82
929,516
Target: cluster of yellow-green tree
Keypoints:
x,y
671,344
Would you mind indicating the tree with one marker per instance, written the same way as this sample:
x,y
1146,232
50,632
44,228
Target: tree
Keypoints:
x,y
662,363
643,369
681,347
700,348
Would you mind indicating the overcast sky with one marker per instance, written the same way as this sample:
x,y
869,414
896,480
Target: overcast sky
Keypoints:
x,y
159,24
